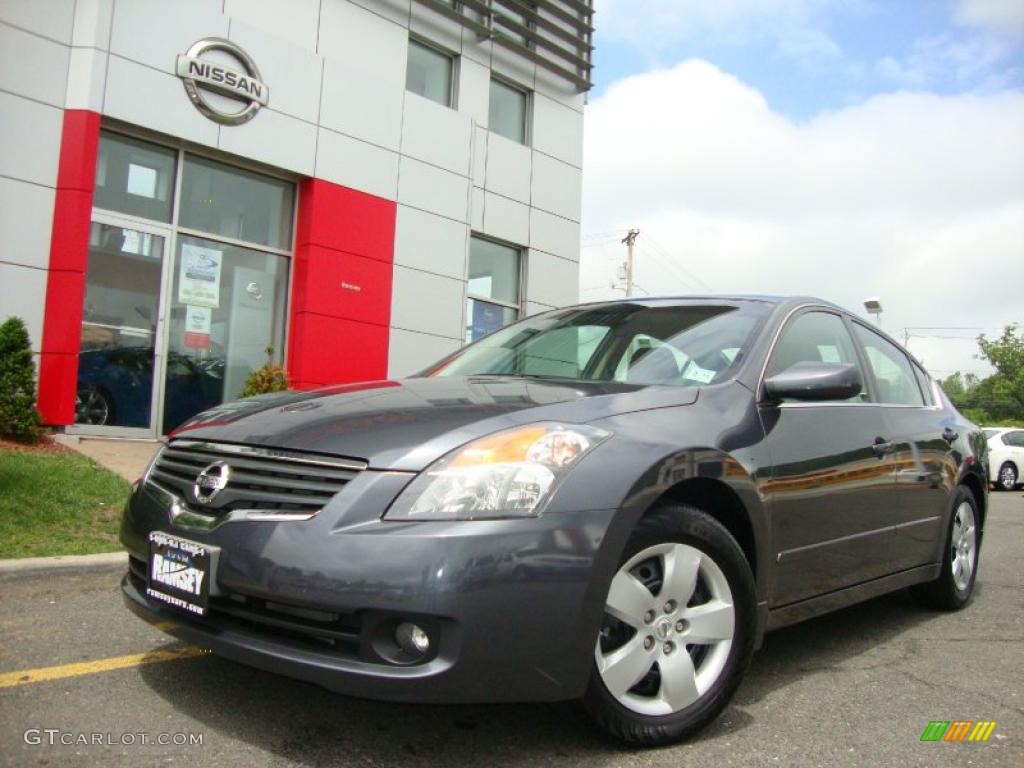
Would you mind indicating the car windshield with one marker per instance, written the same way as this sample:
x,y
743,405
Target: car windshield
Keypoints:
x,y
680,345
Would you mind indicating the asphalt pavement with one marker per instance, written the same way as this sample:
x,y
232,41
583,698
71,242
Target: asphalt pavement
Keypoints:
x,y
857,687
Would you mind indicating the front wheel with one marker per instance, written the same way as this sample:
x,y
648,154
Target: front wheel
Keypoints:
x,y
678,630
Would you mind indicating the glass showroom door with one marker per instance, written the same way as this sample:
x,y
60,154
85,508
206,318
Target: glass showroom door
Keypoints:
x,y
119,361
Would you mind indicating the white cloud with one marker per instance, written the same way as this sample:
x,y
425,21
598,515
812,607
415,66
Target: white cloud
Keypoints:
x,y
1002,18
913,197
654,25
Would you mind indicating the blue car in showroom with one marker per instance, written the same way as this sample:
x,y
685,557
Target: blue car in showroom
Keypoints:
x,y
610,503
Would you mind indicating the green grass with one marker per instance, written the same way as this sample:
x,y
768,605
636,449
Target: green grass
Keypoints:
x,y
57,504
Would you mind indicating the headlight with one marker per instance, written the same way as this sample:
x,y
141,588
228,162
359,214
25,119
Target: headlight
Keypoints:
x,y
508,474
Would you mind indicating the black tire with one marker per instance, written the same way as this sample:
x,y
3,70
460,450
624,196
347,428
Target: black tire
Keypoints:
x,y
1010,482
684,524
943,594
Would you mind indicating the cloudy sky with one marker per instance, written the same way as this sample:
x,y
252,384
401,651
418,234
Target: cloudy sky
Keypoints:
x,y
840,148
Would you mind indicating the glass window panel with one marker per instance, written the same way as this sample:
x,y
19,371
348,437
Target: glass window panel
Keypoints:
x,y
818,337
134,177
119,313
227,307
893,374
508,111
236,203
925,383
493,271
484,317
429,73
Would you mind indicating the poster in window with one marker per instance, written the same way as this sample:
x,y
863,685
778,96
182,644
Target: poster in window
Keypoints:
x,y
199,276
486,318
198,321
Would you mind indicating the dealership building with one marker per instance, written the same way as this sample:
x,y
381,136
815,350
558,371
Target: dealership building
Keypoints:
x,y
361,186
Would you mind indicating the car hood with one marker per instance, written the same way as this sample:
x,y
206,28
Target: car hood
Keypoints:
x,y
406,425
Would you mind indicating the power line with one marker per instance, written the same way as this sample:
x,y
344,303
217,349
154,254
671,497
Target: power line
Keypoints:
x,y
671,260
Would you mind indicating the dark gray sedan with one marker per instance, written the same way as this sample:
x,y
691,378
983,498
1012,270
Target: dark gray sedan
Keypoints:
x,y
611,503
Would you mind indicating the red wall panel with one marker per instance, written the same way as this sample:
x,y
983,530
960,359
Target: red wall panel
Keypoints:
x,y
345,241
69,257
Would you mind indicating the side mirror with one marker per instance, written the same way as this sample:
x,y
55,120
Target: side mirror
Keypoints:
x,y
814,381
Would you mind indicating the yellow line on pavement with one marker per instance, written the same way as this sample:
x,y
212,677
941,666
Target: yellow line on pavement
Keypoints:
x,y
10,679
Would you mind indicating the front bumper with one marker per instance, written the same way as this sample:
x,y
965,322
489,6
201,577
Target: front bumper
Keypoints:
x,y
513,606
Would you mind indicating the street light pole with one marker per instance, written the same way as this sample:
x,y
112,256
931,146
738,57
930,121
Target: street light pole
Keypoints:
x,y
629,239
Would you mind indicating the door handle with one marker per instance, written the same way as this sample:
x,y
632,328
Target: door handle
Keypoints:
x,y
949,435
882,446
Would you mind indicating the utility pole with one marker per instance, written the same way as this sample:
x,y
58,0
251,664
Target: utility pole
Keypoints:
x,y
629,239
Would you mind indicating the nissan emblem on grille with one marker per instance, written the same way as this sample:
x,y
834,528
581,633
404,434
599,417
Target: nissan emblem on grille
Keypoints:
x,y
211,480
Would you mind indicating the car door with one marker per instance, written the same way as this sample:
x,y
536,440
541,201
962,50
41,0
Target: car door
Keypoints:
x,y
924,437
830,478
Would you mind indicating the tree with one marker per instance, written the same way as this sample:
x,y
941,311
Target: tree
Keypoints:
x,y
19,418
1006,354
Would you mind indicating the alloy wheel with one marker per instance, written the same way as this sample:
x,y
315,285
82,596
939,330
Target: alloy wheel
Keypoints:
x,y
1007,477
91,407
668,628
963,546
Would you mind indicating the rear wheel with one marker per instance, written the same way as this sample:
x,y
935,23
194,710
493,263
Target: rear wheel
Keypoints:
x,y
955,585
1007,479
678,629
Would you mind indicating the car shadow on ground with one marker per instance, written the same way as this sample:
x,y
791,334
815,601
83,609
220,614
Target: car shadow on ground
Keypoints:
x,y
299,722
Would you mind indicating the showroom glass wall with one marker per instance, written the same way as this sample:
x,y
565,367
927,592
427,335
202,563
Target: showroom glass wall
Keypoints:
x,y
186,285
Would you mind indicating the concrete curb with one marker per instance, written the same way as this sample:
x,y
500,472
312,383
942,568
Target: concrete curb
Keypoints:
x,y
103,560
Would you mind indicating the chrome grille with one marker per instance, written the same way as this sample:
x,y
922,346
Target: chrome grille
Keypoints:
x,y
260,478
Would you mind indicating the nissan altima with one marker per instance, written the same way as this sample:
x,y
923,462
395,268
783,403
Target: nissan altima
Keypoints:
x,y
610,503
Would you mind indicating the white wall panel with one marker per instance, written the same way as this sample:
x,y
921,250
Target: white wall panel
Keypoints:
x,y
428,303
435,134
34,129
439,30
52,18
506,219
556,187
23,294
476,209
92,23
26,220
32,66
431,189
292,73
557,130
154,32
551,280
474,96
275,139
87,79
357,164
297,22
364,74
141,95
509,166
410,352
430,243
554,234
396,11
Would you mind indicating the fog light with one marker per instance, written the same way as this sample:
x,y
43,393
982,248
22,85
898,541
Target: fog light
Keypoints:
x,y
412,639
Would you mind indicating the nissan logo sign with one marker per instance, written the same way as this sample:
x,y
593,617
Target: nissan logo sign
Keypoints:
x,y
201,72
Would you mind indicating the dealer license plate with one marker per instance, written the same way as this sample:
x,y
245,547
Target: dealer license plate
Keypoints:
x,y
179,572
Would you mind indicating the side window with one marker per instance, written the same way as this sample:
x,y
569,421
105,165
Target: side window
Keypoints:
x,y
925,383
1016,439
897,384
816,337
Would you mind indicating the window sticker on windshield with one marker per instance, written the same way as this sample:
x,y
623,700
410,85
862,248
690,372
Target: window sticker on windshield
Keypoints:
x,y
829,353
695,373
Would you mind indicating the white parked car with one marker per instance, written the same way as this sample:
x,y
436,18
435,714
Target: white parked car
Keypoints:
x,y
1005,457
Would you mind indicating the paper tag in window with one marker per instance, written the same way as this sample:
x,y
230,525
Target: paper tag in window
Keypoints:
x,y
198,322
199,276
694,372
